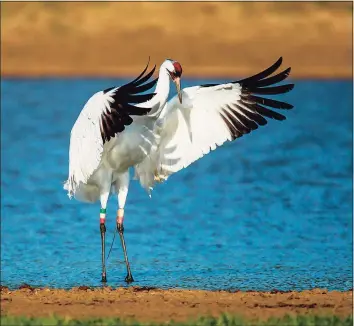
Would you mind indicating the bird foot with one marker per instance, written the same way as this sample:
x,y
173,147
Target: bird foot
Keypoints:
x,y
129,278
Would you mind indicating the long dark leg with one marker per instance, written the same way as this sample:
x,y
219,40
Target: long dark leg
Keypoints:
x,y
120,229
122,185
103,242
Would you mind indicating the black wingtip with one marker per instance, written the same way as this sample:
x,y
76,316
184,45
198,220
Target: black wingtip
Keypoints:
x,y
273,90
142,74
144,79
153,70
291,87
273,79
147,65
261,75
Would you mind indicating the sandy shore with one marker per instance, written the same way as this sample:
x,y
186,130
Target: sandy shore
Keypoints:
x,y
229,39
149,304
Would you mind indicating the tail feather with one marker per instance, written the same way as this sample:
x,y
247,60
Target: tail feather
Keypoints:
x,y
83,192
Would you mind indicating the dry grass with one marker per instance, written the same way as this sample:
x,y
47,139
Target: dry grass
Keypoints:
x,y
224,320
209,38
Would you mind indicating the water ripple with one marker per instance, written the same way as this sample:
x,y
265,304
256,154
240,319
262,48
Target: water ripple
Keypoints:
x,y
271,210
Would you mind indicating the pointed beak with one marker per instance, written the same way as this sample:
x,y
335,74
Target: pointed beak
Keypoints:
x,y
177,81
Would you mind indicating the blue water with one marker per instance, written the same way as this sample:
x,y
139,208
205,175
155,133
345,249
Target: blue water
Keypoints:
x,y
270,210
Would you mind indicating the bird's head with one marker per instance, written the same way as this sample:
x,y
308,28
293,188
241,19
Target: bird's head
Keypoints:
x,y
174,69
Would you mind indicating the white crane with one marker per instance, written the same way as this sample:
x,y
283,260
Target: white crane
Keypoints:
x,y
159,138
113,132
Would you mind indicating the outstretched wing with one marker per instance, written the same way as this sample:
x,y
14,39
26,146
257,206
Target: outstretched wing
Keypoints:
x,y
210,115
105,114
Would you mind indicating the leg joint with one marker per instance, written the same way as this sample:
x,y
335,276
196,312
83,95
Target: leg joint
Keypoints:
x,y
103,228
120,228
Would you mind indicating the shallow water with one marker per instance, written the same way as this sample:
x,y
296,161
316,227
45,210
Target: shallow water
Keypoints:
x,y
270,210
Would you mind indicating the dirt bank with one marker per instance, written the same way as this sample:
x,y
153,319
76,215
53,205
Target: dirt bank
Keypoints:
x,y
145,304
209,38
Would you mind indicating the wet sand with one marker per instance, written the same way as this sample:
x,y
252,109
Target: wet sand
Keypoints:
x,y
150,304
210,39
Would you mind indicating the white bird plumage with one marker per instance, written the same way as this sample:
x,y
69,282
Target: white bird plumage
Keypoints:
x,y
93,161
188,131
159,138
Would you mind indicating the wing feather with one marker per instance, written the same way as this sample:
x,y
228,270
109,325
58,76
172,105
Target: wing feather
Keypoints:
x,y
105,114
210,115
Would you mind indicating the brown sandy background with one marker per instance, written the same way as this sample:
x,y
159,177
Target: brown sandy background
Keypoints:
x,y
149,305
208,38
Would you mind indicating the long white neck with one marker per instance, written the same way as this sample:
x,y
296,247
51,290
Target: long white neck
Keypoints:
x,y
163,85
162,91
